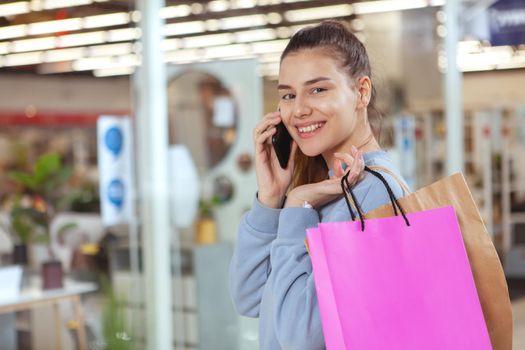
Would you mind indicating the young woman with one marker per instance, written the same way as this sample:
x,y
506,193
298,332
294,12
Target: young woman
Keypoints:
x,y
326,100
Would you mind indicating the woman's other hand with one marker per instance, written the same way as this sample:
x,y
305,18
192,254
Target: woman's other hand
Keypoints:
x,y
320,193
272,180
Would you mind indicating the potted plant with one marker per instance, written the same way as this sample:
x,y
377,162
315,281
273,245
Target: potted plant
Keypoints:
x,y
45,184
24,225
206,232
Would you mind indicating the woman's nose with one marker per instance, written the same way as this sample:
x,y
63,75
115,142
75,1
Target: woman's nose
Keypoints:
x,y
301,108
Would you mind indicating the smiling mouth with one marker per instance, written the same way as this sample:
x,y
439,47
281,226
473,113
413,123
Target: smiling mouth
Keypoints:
x,y
310,128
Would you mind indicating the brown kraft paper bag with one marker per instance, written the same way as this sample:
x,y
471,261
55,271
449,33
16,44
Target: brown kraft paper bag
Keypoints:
x,y
486,267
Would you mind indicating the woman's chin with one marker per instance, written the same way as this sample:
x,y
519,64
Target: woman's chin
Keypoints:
x,y
311,152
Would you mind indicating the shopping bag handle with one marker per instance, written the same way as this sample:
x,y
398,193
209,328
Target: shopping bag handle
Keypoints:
x,y
348,189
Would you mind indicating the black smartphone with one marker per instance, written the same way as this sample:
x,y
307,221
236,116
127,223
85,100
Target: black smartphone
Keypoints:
x,y
282,144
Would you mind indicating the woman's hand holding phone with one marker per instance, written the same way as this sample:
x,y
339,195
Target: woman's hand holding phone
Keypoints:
x,y
320,193
272,179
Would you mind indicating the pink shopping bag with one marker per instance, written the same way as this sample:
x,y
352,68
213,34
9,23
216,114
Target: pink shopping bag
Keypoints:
x,y
393,286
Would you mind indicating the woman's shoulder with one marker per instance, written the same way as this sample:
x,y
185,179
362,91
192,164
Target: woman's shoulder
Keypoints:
x,y
371,192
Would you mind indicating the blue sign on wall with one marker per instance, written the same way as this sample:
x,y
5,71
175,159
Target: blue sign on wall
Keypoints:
x,y
507,22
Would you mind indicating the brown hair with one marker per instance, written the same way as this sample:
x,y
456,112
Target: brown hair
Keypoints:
x,y
338,41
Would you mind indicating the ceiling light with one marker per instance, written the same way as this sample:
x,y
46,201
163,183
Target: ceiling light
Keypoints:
x,y
269,46
108,72
13,31
4,48
361,8
175,11
82,39
197,8
136,16
111,50
274,18
244,4
218,5
170,44
184,28
125,34
284,32
38,5
14,8
213,24
107,20
62,55
208,40
33,44
292,1
186,55
490,58
23,59
255,35
227,51
53,4
93,63
469,46
243,21
64,25
318,13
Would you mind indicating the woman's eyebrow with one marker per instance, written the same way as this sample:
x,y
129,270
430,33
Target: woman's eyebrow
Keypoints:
x,y
309,82
316,80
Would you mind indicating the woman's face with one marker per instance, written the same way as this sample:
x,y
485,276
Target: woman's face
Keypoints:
x,y
319,103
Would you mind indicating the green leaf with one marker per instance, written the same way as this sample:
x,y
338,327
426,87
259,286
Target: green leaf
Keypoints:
x,y
24,179
65,228
46,167
23,227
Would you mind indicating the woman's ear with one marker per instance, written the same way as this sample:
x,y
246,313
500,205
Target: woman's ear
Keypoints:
x,y
364,88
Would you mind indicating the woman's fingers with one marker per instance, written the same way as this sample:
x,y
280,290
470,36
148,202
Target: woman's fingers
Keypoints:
x,y
269,120
348,160
338,168
355,162
265,135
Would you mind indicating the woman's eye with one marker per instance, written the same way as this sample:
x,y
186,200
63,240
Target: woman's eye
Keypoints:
x,y
318,90
287,97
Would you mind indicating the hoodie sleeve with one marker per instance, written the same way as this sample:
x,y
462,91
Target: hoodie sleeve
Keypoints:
x,y
250,264
295,311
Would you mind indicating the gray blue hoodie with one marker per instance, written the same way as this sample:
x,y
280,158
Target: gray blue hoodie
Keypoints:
x,y
271,272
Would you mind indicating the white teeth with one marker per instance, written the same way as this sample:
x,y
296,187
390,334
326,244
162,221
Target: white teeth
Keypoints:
x,y
310,128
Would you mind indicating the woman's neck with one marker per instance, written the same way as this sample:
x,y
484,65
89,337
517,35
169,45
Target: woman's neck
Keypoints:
x,y
367,143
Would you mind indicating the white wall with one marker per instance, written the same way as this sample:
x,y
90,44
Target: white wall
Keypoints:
x,y
64,93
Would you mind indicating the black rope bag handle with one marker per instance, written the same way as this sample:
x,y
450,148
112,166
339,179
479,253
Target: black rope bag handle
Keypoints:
x,y
347,189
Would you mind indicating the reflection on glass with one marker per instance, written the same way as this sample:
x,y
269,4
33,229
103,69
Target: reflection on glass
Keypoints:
x,y
202,116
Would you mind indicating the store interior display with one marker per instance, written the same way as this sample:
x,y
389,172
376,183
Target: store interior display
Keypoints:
x,y
64,64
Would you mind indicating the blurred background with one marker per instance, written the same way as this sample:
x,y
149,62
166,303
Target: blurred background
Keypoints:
x,y
126,157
